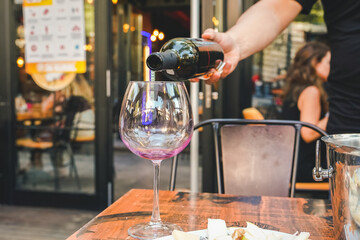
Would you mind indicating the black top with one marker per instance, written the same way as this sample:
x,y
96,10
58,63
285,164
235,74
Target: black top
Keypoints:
x,y
343,23
306,157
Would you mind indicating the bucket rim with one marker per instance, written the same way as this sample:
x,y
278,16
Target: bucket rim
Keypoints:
x,y
337,140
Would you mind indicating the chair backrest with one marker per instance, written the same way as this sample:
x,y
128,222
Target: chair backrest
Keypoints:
x,y
257,160
255,157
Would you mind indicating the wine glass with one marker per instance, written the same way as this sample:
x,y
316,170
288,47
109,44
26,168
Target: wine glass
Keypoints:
x,y
155,123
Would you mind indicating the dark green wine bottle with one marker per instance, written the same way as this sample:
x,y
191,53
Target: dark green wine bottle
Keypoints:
x,y
185,58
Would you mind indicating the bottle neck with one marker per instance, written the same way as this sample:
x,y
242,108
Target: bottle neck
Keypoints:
x,y
162,60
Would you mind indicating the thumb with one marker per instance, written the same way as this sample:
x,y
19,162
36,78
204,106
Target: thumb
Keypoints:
x,y
212,35
208,34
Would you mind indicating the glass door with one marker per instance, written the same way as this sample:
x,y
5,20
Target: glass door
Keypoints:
x,y
62,103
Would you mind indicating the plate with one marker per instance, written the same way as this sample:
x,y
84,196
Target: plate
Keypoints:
x,y
203,233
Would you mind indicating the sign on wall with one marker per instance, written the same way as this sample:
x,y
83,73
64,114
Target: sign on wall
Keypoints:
x,y
54,36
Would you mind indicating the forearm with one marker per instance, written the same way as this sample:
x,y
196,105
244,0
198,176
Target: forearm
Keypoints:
x,y
261,23
309,135
322,123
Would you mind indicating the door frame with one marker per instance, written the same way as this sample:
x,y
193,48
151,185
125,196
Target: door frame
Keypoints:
x,y
7,116
104,103
103,195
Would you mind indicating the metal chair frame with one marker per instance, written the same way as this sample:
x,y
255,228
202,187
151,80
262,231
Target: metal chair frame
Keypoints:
x,y
216,126
56,149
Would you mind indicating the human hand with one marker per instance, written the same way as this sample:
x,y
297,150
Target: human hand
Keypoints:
x,y
231,53
207,76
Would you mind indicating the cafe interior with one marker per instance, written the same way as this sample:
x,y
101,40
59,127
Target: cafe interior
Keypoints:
x,y
61,147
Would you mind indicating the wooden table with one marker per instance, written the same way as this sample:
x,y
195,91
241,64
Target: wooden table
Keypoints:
x,y
191,211
31,115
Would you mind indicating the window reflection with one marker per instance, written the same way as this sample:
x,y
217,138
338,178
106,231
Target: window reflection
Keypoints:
x,y
55,129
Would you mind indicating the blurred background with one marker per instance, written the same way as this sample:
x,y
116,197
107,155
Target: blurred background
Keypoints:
x,y
59,138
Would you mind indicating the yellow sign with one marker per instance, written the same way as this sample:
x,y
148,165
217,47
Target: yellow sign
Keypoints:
x,y
33,3
56,67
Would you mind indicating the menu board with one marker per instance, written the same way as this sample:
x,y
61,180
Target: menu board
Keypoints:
x,y
54,36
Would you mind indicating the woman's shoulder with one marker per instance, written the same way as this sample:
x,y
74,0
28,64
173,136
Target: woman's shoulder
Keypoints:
x,y
310,94
310,91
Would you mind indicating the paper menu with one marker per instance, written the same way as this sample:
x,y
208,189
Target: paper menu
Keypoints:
x,y
54,36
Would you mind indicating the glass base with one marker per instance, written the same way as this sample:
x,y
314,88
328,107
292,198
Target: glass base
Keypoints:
x,y
152,231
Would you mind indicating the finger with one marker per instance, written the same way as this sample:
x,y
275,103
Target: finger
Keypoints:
x,y
212,35
194,79
208,34
226,70
214,78
210,81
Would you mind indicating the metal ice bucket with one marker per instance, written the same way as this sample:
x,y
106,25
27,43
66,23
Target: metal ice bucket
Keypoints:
x,y
343,161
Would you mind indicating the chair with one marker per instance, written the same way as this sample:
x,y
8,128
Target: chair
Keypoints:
x,y
83,130
254,157
62,137
55,147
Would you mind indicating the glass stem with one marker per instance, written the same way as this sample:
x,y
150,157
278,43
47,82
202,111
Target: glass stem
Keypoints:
x,y
155,217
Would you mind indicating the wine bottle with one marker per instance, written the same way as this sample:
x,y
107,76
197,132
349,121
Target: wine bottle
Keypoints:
x,y
185,58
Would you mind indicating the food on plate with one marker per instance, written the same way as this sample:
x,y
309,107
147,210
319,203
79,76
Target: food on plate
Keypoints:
x,y
238,234
227,237
216,228
253,232
354,199
179,235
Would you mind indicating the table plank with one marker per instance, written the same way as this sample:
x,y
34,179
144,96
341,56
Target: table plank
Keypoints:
x,y
33,115
191,211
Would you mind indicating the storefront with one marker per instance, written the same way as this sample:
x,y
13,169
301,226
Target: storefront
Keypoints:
x,y
50,115
58,126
